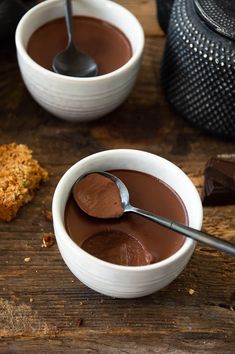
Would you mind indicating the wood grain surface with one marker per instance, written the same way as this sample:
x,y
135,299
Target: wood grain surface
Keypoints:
x,y
43,307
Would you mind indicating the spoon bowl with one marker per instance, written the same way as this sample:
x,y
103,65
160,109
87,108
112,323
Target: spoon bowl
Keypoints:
x,y
71,61
124,193
187,231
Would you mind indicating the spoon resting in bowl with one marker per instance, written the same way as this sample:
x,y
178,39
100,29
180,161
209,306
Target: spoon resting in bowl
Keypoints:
x,y
103,195
71,61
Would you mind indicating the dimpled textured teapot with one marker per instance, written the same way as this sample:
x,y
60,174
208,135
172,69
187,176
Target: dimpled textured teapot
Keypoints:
x,y
198,66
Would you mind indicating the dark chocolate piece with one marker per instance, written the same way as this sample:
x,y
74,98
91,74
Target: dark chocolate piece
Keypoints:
x,y
216,194
219,184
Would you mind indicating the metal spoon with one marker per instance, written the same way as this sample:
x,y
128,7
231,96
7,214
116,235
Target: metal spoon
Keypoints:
x,y
71,61
197,235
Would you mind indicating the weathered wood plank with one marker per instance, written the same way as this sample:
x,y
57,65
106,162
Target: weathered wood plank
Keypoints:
x,y
146,12
126,344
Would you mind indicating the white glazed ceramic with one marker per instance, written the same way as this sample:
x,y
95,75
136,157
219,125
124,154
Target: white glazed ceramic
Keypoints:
x,y
79,99
115,280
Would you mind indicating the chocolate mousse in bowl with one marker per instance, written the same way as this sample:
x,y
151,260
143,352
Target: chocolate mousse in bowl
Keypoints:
x,y
105,43
125,255
127,239
103,29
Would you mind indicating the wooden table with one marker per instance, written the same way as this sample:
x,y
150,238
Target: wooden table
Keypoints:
x,y
43,307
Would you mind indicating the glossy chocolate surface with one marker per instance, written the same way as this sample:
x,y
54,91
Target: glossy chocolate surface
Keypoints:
x,y
109,47
98,196
131,239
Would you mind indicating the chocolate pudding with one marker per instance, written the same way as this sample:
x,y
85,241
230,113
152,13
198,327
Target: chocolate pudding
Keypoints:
x,y
109,47
130,239
98,196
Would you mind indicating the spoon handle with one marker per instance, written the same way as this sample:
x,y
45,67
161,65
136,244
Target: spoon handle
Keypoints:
x,y
69,20
196,235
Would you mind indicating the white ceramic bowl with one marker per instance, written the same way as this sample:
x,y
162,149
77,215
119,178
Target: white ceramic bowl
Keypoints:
x,y
79,99
115,280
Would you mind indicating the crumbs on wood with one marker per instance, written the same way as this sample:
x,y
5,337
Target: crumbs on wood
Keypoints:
x,y
48,239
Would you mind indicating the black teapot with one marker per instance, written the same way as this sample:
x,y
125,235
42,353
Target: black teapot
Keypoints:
x,y
163,13
198,66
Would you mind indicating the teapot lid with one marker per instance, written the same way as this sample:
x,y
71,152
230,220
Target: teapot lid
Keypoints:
x,y
219,14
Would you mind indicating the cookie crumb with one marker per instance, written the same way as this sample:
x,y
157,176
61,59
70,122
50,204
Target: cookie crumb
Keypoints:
x,y
191,291
48,215
27,259
80,322
19,319
48,239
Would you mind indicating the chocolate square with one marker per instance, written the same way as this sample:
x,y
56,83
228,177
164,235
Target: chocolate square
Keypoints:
x,y
219,183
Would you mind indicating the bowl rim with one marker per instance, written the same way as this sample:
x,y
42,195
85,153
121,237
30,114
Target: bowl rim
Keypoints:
x,y
23,52
181,252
